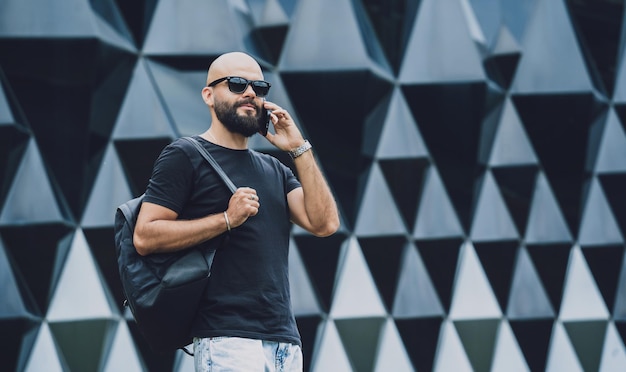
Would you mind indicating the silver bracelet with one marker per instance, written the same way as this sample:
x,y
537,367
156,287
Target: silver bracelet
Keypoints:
x,y
227,221
306,146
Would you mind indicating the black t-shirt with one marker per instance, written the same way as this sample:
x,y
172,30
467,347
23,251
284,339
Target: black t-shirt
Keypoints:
x,y
248,292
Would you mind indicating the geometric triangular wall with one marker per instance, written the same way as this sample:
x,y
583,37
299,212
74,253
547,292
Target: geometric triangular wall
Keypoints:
x,y
476,150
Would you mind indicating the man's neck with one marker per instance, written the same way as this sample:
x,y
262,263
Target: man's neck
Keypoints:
x,y
219,135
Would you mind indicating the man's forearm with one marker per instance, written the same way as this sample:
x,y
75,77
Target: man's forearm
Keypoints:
x,y
162,236
319,203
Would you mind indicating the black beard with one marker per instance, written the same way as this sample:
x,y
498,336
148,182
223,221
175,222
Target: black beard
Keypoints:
x,y
243,124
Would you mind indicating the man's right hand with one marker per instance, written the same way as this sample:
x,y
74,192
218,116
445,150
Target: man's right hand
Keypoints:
x,y
243,204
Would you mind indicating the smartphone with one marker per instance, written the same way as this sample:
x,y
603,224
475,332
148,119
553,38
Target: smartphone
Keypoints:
x,y
265,122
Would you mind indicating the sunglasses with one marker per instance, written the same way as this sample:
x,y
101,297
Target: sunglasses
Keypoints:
x,y
239,85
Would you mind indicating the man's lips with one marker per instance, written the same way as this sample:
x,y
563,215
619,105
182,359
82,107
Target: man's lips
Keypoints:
x,y
248,107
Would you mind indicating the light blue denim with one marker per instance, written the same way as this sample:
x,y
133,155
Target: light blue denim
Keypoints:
x,y
221,354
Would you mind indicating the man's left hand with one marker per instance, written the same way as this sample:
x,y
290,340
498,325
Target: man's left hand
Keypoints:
x,y
287,135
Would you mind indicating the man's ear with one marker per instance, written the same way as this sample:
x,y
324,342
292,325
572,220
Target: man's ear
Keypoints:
x,y
207,96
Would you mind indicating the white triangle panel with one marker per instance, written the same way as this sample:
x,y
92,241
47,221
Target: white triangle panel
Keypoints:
x,y
44,355
473,297
436,217
176,25
505,43
79,294
185,363
492,220
303,297
123,356
392,355
598,225
337,37
561,355
508,356
439,39
270,14
378,214
31,198
614,353
545,220
330,355
511,144
142,113
109,191
400,137
612,149
356,295
451,355
552,60
77,19
581,297
415,295
528,298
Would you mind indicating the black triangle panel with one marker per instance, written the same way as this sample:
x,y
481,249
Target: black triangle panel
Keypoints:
x,y
587,338
321,257
450,117
620,325
360,338
501,68
137,15
551,263
322,106
620,109
562,120
605,263
383,255
99,241
271,40
479,339
138,157
109,12
516,187
162,361
598,26
441,260
392,23
78,354
17,338
421,338
498,261
13,142
38,252
308,327
84,81
613,185
533,337
405,178
65,74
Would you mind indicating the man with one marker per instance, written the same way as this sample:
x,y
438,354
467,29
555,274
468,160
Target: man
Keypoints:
x,y
245,322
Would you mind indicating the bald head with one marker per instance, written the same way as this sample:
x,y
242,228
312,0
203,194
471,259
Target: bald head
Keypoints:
x,y
234,64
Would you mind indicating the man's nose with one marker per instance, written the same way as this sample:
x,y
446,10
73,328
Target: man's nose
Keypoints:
x,y
249,92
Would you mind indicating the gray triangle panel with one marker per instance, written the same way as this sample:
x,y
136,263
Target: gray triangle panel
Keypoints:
x,y
476,149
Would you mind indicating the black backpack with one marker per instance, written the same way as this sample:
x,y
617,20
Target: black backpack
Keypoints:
x,y
163,291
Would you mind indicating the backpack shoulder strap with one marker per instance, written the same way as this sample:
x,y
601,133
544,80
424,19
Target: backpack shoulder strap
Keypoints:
x,y
209,158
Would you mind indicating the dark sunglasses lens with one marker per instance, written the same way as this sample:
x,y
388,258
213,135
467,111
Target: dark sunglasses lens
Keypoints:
x,y
261,88
237,85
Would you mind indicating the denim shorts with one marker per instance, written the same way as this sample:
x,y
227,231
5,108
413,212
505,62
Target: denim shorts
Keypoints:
x,y
219,354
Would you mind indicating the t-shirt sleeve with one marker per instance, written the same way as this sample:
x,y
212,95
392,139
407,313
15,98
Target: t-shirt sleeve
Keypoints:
x,y
291,182
171,181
